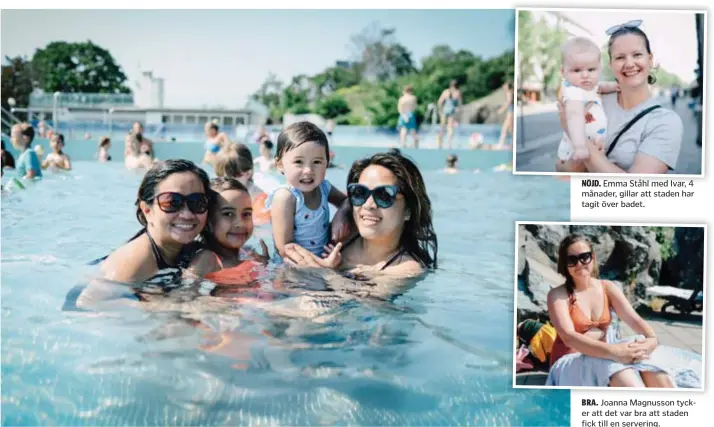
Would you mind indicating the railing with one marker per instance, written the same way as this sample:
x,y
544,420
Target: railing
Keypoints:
x,y
80,99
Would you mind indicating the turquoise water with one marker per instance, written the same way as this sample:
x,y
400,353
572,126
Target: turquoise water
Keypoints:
x,y
355,136
428,159
439,354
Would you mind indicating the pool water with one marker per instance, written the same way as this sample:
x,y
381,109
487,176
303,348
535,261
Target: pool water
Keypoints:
x,y
439,354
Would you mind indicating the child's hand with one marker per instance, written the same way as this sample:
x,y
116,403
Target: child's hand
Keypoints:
x,y
263,257
332,256
581,153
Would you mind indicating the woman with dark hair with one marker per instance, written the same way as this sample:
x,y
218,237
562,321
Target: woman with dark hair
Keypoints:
x,y
392,213
642,137
585,353
171,205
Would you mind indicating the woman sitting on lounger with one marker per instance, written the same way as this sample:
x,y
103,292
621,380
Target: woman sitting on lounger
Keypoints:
x,y
580,311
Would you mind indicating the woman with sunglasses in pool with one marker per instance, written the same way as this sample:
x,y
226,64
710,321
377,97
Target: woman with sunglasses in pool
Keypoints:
x,y
579,309
172,206
652,143
393,216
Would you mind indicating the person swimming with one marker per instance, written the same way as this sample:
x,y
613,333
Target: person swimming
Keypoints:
x,y
104,145
452,162
57,159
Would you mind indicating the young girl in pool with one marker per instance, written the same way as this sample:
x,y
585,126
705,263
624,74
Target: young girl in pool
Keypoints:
x,y
299,211
239,165
229,227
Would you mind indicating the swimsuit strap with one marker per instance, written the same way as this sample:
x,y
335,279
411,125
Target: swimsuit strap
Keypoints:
x,y
218,261
389,261
160,260
393,258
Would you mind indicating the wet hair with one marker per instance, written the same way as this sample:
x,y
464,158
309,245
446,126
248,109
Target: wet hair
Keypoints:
x,y
104,141
409,89
7,158
159,172
578,45
395,151
651,79
233,165
299,133
451,160
242,150
267,144
29,132
418,238
454,84
563,259
60,137
213,126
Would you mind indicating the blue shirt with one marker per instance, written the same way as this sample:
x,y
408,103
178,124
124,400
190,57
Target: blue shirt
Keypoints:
x,y
28,161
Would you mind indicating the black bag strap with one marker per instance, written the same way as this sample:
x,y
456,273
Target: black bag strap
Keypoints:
x,y
629,125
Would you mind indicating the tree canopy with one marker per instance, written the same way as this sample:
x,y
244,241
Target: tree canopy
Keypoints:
x,y
366,88
78,67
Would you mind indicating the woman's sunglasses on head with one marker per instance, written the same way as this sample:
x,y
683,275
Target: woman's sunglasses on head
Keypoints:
x,y
584,258
171,202
383,196
629,24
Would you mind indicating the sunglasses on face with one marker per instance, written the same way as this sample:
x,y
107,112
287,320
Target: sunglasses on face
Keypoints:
x,y
584,258
383,196
170,202
629,24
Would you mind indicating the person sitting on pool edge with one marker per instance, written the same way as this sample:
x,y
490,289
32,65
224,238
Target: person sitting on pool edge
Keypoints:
x,y
28,164
172,205
392,213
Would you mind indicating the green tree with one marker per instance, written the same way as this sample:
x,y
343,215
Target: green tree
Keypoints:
x,y
381,57
78,67
332,106
17,81
527,45
550,42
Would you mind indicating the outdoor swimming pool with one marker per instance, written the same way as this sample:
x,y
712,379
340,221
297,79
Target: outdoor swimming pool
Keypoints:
x,y
440,354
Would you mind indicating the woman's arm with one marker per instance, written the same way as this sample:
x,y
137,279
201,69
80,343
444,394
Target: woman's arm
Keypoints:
x,y
336,197
203,263
625,310
282,218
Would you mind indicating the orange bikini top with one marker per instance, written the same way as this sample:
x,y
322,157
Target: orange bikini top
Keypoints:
x,y
242,274
581,322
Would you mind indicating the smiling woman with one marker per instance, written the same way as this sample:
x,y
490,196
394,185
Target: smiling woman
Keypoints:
x,y
172,205
642,137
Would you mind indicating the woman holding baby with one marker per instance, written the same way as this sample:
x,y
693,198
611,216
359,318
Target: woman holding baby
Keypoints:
x,y
640,136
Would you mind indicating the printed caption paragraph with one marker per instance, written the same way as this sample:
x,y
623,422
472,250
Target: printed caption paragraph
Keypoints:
x,y
635,412
633,193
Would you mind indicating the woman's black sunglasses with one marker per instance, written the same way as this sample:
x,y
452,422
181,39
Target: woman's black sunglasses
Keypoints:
x,y
170,202
584,258
383,196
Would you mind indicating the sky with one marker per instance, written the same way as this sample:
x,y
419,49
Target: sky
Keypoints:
x,y
672,35
220,57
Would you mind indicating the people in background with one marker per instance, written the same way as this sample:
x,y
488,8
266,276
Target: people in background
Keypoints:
x,y
57,159
28,164
407,116
448,102
104,145
266,161
452,162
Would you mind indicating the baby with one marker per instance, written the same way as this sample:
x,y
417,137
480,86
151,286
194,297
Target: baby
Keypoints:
x,y
584,115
